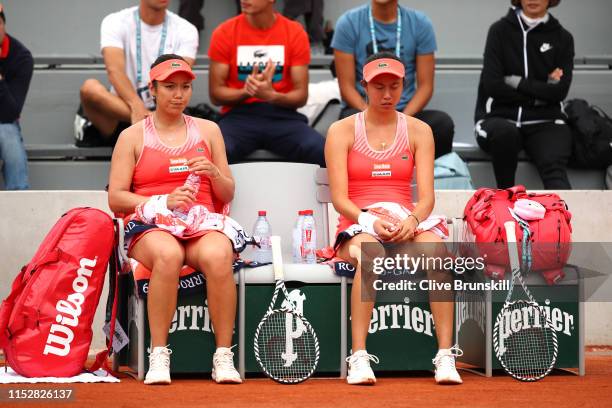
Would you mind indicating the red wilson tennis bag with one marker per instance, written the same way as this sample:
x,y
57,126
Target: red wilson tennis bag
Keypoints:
x,y
45,323
485,215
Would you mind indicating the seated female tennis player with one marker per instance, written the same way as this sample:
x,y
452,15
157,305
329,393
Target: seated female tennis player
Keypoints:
x,y
149,167
370,160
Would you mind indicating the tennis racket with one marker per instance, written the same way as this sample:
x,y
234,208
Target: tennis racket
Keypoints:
x,y
286,345
524,340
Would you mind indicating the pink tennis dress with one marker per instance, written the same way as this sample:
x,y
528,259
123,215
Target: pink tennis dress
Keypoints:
x,y
380,181
159,170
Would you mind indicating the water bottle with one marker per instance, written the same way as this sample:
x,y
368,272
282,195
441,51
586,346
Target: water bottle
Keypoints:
x,y
192,181
297,238
262,230
309,238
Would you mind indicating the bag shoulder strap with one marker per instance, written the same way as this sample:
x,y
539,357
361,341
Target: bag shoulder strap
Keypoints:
x,y
102,357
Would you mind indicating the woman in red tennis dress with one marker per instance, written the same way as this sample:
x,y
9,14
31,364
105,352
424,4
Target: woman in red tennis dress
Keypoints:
x,y
149,167
370,160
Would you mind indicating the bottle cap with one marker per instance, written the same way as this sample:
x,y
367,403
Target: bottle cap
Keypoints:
x,y
301,212
261,213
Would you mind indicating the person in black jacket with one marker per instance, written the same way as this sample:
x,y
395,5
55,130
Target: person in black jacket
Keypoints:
x,y
527,72
16,66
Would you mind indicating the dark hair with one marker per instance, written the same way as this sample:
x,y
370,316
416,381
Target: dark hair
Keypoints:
x,y
382,54
551,3
2,13
166,57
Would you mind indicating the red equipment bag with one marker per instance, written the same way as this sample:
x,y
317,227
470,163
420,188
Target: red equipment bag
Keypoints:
x,y
487,211
45,322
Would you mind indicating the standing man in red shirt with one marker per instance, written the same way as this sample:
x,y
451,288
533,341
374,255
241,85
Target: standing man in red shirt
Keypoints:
x,y
259,74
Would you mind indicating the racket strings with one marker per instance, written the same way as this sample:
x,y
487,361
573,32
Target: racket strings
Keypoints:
x,y
287,347
524,341
529,352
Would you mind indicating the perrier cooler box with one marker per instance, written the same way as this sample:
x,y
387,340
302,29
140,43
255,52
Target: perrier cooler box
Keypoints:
x,y
191,335
315,291
476,312
401,334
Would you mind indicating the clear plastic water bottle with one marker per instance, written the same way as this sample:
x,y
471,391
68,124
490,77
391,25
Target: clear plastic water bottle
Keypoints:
x,y
297,238
192,181
263,230
309,238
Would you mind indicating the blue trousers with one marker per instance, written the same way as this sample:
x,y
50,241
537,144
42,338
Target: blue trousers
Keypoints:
x,y
13,155
282,131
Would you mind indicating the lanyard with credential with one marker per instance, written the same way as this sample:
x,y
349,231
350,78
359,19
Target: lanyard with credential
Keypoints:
x,y
162,44
398,32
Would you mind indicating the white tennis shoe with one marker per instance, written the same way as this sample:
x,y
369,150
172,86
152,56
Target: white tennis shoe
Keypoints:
x,y
159,366
446,372
223,371
359,370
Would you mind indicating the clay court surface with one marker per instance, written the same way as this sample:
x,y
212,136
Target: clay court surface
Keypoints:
x,y
557,390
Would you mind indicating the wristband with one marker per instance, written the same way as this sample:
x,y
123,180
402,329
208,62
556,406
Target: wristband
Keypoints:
x,y
366,220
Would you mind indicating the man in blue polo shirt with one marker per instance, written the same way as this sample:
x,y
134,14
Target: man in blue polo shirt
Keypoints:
x,y
383,25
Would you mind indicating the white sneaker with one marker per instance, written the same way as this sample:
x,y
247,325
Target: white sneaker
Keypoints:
x,y
159,366
359,370
223,371
80,124
446,372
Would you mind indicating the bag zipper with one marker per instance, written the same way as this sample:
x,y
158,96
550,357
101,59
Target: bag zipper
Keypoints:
x,y
559,240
